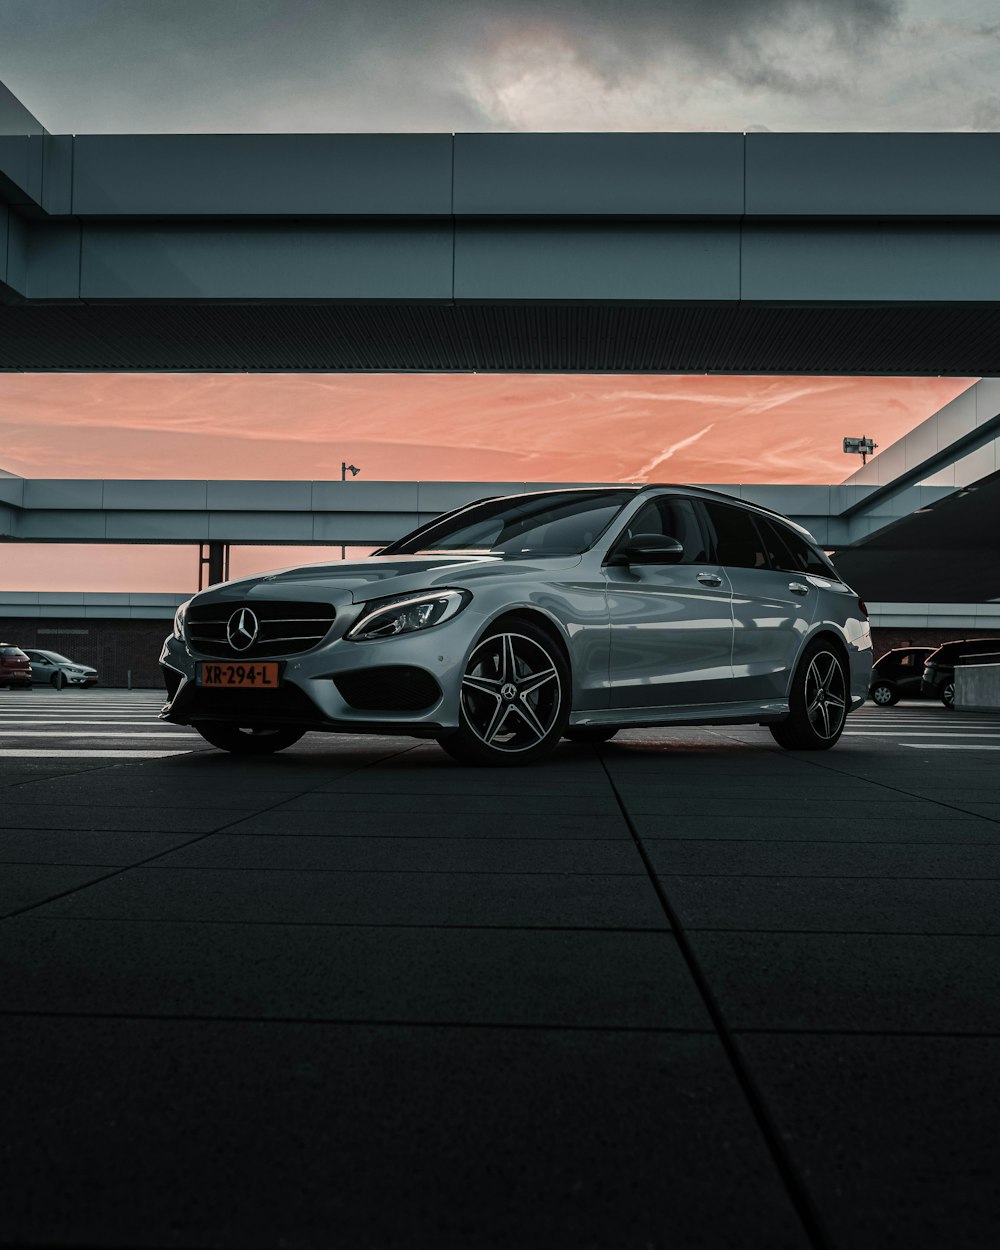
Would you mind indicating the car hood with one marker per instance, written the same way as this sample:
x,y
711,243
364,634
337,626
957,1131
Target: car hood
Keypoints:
x,y
354,581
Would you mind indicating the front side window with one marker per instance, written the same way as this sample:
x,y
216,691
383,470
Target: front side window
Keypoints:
x,y
735,538
669,517
552,524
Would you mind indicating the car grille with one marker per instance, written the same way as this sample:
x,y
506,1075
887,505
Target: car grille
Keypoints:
x,y
285,628
392,688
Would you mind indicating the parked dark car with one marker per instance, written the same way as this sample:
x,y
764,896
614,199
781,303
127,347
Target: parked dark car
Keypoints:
x,y
939,670
898,675
51,668
15,668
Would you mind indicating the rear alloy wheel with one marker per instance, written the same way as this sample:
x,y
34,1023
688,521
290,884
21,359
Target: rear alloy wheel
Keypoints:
x,y
250,739
589,733
817,702
515,699
948,694
883,694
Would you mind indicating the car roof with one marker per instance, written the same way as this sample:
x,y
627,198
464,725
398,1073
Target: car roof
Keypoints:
x,y
700,492
964,642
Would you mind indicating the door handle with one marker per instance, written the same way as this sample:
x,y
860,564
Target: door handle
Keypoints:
x,y
797,588
709,579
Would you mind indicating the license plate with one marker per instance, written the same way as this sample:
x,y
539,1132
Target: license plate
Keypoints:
x,y
260,676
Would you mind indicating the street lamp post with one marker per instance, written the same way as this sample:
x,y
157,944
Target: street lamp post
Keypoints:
x,y
354,471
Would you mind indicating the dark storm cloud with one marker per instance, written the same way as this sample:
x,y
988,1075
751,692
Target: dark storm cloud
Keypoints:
x,y
614,37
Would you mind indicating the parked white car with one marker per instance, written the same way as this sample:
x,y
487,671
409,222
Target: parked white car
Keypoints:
x,y
51,668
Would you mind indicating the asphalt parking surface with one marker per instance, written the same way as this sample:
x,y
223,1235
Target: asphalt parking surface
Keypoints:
x,y
684,990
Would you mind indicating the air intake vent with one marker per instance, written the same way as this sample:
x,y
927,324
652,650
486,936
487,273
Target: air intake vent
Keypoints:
x,y
278,628
394,688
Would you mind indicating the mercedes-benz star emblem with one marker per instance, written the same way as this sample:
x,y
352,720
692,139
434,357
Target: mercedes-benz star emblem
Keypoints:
x,y
241,629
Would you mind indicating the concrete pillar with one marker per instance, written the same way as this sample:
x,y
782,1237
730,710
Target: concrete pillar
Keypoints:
x,y
213,563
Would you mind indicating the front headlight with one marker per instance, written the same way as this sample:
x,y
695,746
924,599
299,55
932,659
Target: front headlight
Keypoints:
x,y
179,616
403,614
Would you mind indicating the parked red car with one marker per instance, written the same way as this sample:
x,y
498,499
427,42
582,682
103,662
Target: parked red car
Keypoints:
x,y
15,668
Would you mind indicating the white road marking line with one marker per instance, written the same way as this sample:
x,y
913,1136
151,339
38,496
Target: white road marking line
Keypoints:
x,y
76,720
948,746
55,754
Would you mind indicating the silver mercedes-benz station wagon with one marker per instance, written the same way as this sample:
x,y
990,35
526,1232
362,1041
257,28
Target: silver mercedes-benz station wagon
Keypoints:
x,y
510,623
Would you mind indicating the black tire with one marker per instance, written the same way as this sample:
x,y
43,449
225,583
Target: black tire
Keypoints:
x,y
589,733
818,701
948,694
58,680
250,739
884,694
515,698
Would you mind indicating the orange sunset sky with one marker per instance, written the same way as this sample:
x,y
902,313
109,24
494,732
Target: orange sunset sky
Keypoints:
x,y
398,427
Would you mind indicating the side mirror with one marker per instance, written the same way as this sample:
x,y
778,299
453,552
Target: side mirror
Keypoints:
x,y
653,549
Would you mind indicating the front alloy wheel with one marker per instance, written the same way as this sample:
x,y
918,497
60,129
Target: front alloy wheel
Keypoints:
x,y
515,698
249,740
948,694
817,702
883,694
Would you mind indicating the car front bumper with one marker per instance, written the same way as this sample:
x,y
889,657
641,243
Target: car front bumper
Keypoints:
x,y
369,674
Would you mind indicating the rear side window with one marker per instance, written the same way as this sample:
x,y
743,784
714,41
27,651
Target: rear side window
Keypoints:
x,y
790,551
984,647
735,538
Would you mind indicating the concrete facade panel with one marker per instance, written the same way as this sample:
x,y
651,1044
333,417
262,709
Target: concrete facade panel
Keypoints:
x,y
920,444
361,528
143,495
53,261
873,175
63,493
957,419
570,261
381,496
616,175
56,173
17,252
14,168
267,496
295,261
281,527
62,526
987,396
298,261
165,527
867,263
976,465
800,500
394,175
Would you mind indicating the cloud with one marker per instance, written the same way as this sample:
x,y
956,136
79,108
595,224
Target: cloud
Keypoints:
x,y
670,451
271,65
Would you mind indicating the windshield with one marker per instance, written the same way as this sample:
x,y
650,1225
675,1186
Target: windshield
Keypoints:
x,y
557,523
54,655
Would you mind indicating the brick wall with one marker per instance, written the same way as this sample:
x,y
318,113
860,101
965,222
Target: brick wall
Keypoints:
x,y
114,648
885,640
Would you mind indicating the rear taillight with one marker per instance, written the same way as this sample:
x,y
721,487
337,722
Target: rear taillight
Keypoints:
x,y
863,608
